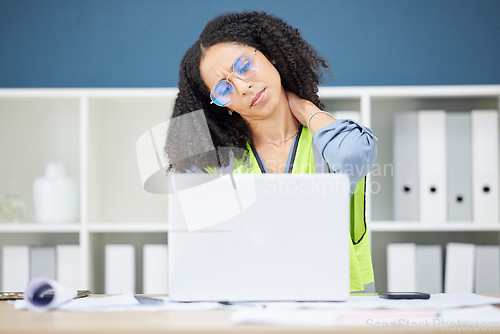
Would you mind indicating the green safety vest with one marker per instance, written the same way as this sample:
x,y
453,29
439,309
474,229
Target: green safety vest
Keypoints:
x,y
307,161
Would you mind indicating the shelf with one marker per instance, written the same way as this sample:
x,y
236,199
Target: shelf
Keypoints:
x,y
410,91
145,227
149,227
391,226
115,192
324,91
87,92
39,228
95,130
34,131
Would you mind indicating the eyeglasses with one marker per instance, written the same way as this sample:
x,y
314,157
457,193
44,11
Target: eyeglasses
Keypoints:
x,y
245,67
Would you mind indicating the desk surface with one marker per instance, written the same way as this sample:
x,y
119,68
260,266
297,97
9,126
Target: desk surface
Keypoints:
x,y
215,321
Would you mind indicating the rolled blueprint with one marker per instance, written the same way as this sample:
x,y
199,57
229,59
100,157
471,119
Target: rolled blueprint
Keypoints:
x,y
44,294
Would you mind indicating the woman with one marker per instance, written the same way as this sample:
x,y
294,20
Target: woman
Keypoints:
x,y
256,81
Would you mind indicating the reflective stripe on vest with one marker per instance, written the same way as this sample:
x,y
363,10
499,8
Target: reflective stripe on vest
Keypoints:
x,y
308,160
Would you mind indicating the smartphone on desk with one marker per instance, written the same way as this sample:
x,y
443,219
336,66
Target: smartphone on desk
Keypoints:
x,y
404,295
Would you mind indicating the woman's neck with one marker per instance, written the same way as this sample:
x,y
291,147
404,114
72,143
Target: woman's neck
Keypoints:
x,y
279,125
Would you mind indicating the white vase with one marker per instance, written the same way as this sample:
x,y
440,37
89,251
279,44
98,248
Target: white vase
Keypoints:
x,y
55,195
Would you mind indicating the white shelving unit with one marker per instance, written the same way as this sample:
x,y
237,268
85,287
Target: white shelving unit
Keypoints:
x,y
94,132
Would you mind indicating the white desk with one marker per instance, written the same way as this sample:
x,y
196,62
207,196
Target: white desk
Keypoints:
x,y
213,322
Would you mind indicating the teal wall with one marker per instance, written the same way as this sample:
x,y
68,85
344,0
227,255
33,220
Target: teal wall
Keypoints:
x,y
139,43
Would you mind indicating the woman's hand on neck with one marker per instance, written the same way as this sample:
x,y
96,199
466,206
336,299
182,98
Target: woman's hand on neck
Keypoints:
x,y
303,109
278,125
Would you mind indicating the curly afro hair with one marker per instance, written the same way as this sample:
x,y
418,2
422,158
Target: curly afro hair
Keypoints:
x,y
299,65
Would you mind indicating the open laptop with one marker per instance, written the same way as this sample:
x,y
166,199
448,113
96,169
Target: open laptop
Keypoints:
x,y
270,237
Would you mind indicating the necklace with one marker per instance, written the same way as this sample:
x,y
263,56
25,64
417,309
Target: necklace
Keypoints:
x,y
276,142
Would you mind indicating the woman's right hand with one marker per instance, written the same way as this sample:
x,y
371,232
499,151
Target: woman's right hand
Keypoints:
x,y
302,109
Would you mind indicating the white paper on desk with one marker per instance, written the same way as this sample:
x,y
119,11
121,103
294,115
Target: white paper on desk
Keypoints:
x,y
442,301
468,318
329,318
37,300
439,301
122,302
126,302
481,315
286,317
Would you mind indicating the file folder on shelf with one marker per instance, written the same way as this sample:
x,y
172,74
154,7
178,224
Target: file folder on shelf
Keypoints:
x,y
15,267
68,265
459,166
487,269
432,165
155,269
119,269
43,262
485,166
401,267
459,268
429,268
405,157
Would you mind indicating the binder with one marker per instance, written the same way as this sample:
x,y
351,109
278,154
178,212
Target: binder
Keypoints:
x,y
155,269
429,268
432,165
15,267
119,269
405,157
69,265
43,262
459,166
485,166
459,268
401,267
487,269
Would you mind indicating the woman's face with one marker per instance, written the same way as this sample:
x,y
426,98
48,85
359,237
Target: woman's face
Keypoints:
x,y
255,97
